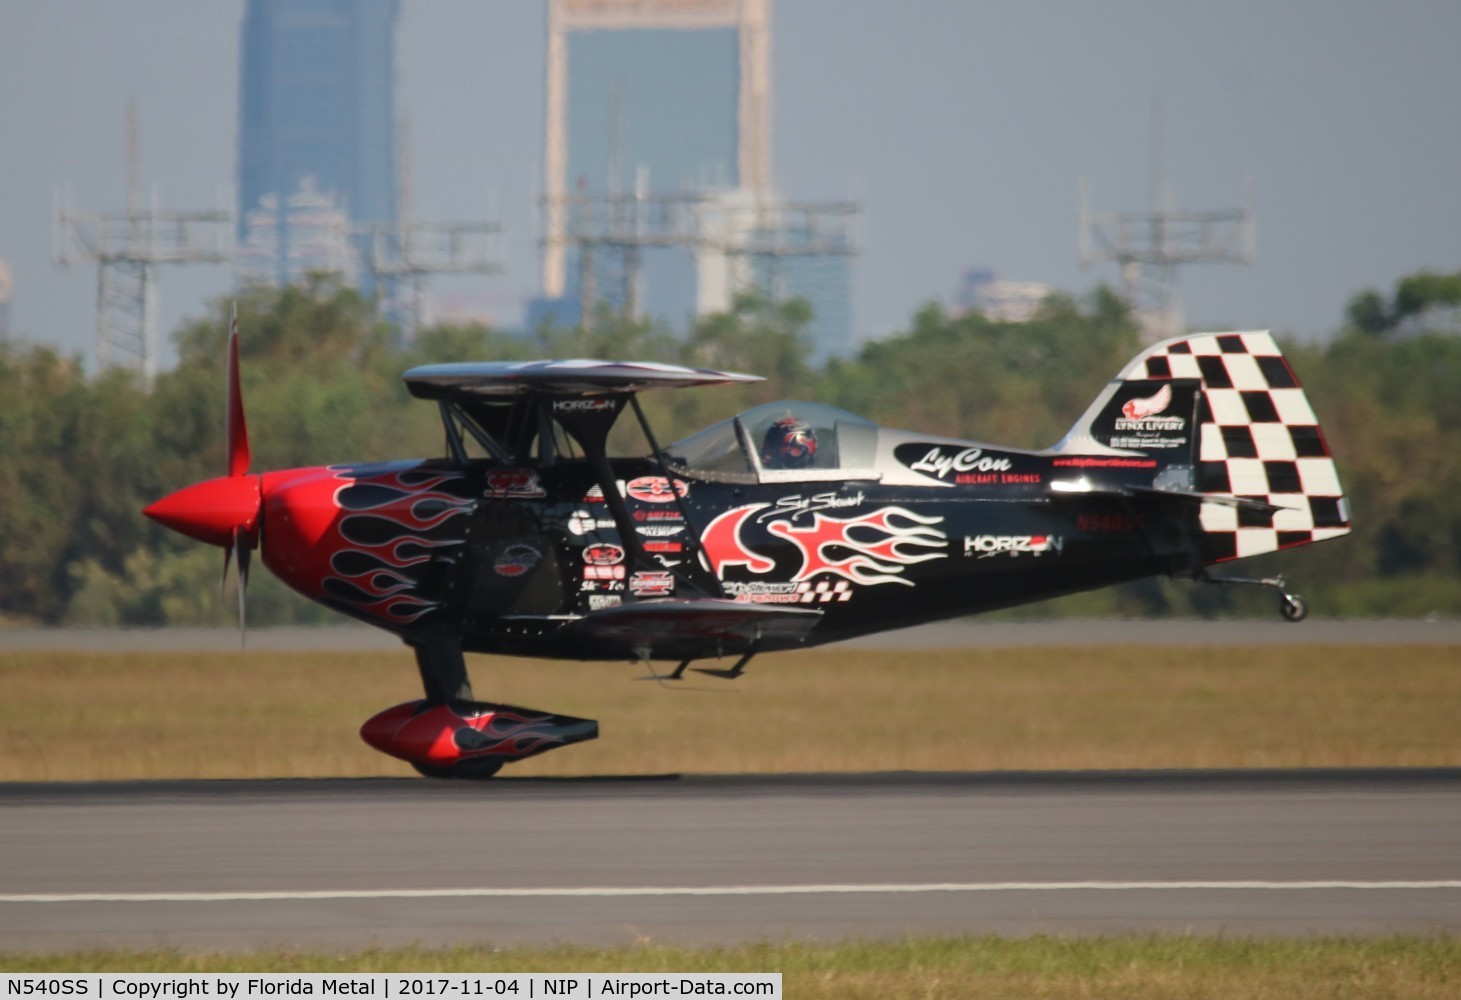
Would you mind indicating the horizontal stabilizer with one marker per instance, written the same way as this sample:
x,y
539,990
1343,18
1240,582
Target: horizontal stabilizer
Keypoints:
x,y
1188,496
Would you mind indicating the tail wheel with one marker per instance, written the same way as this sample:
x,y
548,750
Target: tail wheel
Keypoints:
x,y
475,769
1294,608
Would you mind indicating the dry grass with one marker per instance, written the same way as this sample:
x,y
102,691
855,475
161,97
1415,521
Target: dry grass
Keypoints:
x,y
79,716
1193,968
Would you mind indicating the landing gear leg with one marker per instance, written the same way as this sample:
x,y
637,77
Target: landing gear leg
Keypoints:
x,y
449,734
1293,607
443,669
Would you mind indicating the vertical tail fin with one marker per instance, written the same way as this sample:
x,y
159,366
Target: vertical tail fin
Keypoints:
x,y
1251,435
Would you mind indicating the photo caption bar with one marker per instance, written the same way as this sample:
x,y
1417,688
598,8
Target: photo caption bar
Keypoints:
x,y
389,986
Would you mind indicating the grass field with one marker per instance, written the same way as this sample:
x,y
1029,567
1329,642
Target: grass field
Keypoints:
x,y
124,716
98,716
1043,967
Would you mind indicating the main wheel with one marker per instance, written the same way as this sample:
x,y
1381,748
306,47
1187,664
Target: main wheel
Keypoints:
x,y
474,769
1294,609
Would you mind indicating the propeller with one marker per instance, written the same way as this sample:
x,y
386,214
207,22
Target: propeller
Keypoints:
x,y
223,511
237,431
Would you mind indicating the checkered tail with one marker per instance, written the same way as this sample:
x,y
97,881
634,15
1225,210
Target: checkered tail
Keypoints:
x,y
1257,439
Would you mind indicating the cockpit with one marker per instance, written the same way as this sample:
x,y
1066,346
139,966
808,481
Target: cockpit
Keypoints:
x,y
787,441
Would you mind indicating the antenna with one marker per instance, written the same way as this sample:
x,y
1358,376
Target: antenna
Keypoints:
x,y
127,247
1149,246
399,257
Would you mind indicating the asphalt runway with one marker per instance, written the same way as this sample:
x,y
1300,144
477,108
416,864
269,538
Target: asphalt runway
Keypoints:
x,y
956,634
716,860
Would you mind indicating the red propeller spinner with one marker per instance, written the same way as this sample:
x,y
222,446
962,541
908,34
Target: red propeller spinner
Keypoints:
x,y
222,511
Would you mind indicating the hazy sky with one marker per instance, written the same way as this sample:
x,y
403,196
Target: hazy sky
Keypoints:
x,y
962,126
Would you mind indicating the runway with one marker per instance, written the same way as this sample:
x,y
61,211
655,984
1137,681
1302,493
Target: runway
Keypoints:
x,y
702,860
964,633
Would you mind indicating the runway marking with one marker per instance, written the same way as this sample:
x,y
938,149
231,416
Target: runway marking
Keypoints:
x,y
571,892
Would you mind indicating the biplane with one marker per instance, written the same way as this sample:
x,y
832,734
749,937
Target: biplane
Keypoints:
x,y
789,525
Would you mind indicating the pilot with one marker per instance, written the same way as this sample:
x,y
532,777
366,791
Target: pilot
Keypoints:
x,y
789,444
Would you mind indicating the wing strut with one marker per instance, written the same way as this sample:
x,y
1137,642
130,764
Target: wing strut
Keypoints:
x,y
590,428
730,674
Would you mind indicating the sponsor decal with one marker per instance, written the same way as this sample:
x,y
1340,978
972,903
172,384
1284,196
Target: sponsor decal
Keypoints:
x,y
597,602
984,546
943,464
1109,523
603,554
655,489
517,559
1139,442
798,503
761,591
595,494
654,583
659,530
1103,462
656,515
599,404
603,562
514,484
998,478
1145,415
1144,422
592,586
806,592
662,546
873,548
583,522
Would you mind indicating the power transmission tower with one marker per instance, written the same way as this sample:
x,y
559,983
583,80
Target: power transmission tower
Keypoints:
x,y
1149,247
738,238
399,257
127,247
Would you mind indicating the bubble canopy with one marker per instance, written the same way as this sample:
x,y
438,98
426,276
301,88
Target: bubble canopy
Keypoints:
x,y
738,449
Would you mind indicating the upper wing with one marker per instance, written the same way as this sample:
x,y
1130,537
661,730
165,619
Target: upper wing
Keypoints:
x,y
475,379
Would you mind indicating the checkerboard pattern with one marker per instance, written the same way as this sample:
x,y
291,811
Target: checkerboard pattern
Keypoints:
x,y
1259,440
824,591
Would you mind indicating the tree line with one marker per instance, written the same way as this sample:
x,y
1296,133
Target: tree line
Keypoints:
x,y
80,456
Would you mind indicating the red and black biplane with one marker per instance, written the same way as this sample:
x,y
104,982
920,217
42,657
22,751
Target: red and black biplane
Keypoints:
x,y
790,525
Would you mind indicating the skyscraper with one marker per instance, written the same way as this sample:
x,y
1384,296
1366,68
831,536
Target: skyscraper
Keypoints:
x,y
671,94
658,168
316,148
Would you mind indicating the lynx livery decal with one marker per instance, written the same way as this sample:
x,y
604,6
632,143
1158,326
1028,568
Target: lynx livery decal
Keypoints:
x,y
869,549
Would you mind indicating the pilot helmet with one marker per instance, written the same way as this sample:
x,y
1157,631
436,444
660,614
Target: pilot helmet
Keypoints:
x,y
789,444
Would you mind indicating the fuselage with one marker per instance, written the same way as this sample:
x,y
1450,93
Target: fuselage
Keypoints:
x,y
506,556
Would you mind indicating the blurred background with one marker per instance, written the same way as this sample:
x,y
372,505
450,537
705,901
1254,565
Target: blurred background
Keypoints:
x,y
959,217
